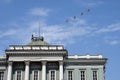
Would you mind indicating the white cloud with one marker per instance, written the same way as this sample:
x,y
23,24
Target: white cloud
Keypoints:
x,y
6,1
7,33
109,28
89,3
54,34
59,34
113,42
39,11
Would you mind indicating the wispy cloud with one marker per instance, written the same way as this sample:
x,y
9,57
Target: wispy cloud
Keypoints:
x,y
66,34
89,3
59,34
112,42
6,1
92,4
54,34
39,11
109,28
7,33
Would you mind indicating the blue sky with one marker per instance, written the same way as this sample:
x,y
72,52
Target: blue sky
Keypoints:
x,y
95,32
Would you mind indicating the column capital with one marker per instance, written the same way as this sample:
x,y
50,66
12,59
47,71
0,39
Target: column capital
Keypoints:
x,y
61,62
10,62
27,62
44,62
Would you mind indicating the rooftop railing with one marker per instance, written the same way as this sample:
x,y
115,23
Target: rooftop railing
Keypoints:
x,y
84,56
36,48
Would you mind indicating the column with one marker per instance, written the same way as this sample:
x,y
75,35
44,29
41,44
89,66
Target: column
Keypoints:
x,y
9,75
60,70
27,70
43,70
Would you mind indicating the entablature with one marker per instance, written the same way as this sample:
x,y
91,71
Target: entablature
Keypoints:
x,y
85,61
36,52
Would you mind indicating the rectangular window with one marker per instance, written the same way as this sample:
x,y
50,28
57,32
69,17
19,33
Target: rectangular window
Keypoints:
x,y
52,75
1,75
94,75
70,76
19,75
36,75
82,75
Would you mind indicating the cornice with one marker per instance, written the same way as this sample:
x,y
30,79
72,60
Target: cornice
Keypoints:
x,y
63,52
86,61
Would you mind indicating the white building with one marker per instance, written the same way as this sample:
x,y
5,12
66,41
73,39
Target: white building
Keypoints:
x,y
39,60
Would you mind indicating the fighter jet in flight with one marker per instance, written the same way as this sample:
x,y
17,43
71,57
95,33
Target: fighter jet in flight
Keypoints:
x,y
75,17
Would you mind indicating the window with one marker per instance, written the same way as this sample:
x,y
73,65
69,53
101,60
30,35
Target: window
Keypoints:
x,y
35,75
82,75
1,75
94,75
19,75
52,75
70,75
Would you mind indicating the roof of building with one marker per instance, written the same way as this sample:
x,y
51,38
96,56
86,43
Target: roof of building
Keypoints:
x,y
37,41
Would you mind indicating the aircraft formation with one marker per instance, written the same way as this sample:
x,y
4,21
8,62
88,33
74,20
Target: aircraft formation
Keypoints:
x,y
75,17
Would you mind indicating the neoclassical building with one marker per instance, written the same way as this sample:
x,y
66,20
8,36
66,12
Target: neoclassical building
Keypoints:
x,y
39,60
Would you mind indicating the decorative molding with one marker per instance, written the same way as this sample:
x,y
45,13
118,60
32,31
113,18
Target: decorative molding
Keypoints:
x,y
17,53
10,63
44,62
61,62
27,62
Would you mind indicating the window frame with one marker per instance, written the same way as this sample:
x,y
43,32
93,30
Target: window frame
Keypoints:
x,y
2,75
34,73
50,74
93,74
17,73
68,74
81,78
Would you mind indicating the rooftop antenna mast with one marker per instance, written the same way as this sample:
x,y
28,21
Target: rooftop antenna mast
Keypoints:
x,y
39,30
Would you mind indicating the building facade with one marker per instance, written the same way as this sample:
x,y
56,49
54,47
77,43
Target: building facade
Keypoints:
x,y
39,60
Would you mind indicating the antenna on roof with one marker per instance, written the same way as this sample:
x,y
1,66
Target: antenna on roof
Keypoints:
x,y
39,30
39,36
